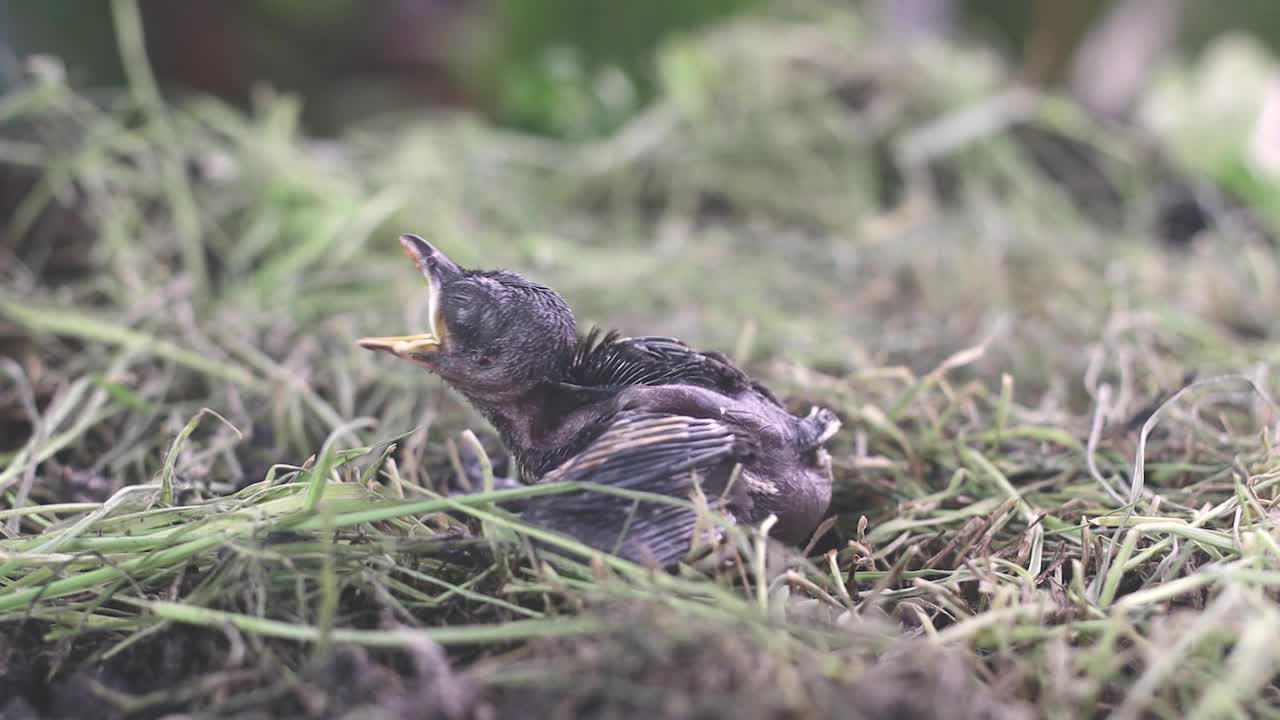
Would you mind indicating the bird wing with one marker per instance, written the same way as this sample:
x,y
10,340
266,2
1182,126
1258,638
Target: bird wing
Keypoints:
x,y
641,451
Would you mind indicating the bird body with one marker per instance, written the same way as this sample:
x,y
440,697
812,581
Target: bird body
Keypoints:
x,y
646,414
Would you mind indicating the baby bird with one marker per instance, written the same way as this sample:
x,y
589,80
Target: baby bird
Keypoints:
x,y
644,414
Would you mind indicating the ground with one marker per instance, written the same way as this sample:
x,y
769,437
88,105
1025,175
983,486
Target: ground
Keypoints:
x,y
1049,340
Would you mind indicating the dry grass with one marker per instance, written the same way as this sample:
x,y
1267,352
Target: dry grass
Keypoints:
x,y
212,501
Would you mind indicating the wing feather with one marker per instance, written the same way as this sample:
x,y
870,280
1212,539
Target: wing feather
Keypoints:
x,y
642,451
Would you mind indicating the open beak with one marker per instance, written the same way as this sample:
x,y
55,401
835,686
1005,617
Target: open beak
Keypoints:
x,y
436,269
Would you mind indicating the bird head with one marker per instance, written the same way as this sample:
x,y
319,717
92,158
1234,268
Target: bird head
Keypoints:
x,y
492,334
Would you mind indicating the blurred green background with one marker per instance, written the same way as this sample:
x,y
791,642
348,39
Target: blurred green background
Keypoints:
x,y
567,68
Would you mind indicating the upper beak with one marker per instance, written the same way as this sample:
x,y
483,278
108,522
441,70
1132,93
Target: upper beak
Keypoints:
x,y
436,269
435,266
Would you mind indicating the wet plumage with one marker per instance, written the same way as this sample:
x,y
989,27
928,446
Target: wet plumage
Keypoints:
x,y
643,414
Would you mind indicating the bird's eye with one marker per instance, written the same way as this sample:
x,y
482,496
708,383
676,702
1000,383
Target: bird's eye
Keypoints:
x,y
484,361
472,315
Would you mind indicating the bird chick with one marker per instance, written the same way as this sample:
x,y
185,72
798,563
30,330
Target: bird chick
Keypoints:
x,y
646,414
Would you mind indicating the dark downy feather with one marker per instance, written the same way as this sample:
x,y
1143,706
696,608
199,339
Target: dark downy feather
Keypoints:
x,y
608,361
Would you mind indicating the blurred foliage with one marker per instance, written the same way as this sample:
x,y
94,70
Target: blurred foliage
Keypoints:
x,y
565,68
1204,108
1204,21
581,67
79,33
560,67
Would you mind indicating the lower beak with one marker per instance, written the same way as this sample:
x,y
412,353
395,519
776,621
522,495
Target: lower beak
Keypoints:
x,y
431,262
403,345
